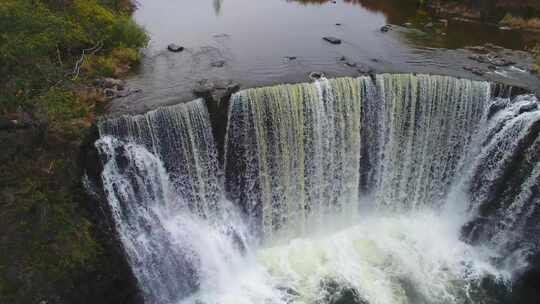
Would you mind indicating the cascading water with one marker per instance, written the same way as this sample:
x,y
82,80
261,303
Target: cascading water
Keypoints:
x,y
398,189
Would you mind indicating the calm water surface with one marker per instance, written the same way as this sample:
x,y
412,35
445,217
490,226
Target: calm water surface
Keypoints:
x,y
254,38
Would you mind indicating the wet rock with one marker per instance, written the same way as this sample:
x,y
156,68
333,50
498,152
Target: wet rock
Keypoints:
x,y
477,49
332,40
493,47
351,64
113,93
365,70
316,75
480,58
474,70
501,62
528,108
175,48
215,91
218,64
496,107
386,28
338,293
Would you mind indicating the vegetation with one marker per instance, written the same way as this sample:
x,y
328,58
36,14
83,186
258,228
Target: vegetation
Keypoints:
x,y
50,51
536,53
520,22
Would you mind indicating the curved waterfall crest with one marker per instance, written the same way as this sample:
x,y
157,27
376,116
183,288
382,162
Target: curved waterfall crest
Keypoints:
x,y
425,184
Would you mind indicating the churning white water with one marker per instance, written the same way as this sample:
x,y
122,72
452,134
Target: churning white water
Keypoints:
x,y
340,191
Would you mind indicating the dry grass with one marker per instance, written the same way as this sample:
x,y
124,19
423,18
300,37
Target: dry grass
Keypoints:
x,y
536,52
521,23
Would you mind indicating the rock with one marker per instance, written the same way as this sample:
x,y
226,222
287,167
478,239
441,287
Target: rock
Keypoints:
x,y
501,62
338,293
477,49
374,59
110,83
480,58
386,28
316,75
492,67
496,107
474,70
218,64
342,58
215,91
351,64
444,22
338,24
493,47
528,108
407,24
429,25
290,57
332,40
175,48
365,70
6,124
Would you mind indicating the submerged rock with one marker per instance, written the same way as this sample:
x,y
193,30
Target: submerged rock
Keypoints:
x,y
218,64
332,40
175,48
365,70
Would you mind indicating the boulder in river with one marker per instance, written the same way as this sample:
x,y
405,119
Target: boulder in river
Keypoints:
x,y
386,28
332,40
175,48
316,75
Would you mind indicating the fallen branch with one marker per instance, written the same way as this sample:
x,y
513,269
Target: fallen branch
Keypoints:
x,y
78,64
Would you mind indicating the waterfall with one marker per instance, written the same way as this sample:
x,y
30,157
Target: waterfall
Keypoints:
x,y
308,149
161,181
394,189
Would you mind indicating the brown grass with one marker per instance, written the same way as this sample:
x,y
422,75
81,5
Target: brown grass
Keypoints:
x,y
520,23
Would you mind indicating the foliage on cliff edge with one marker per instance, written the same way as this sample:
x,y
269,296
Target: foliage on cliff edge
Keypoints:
x,y
50,51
